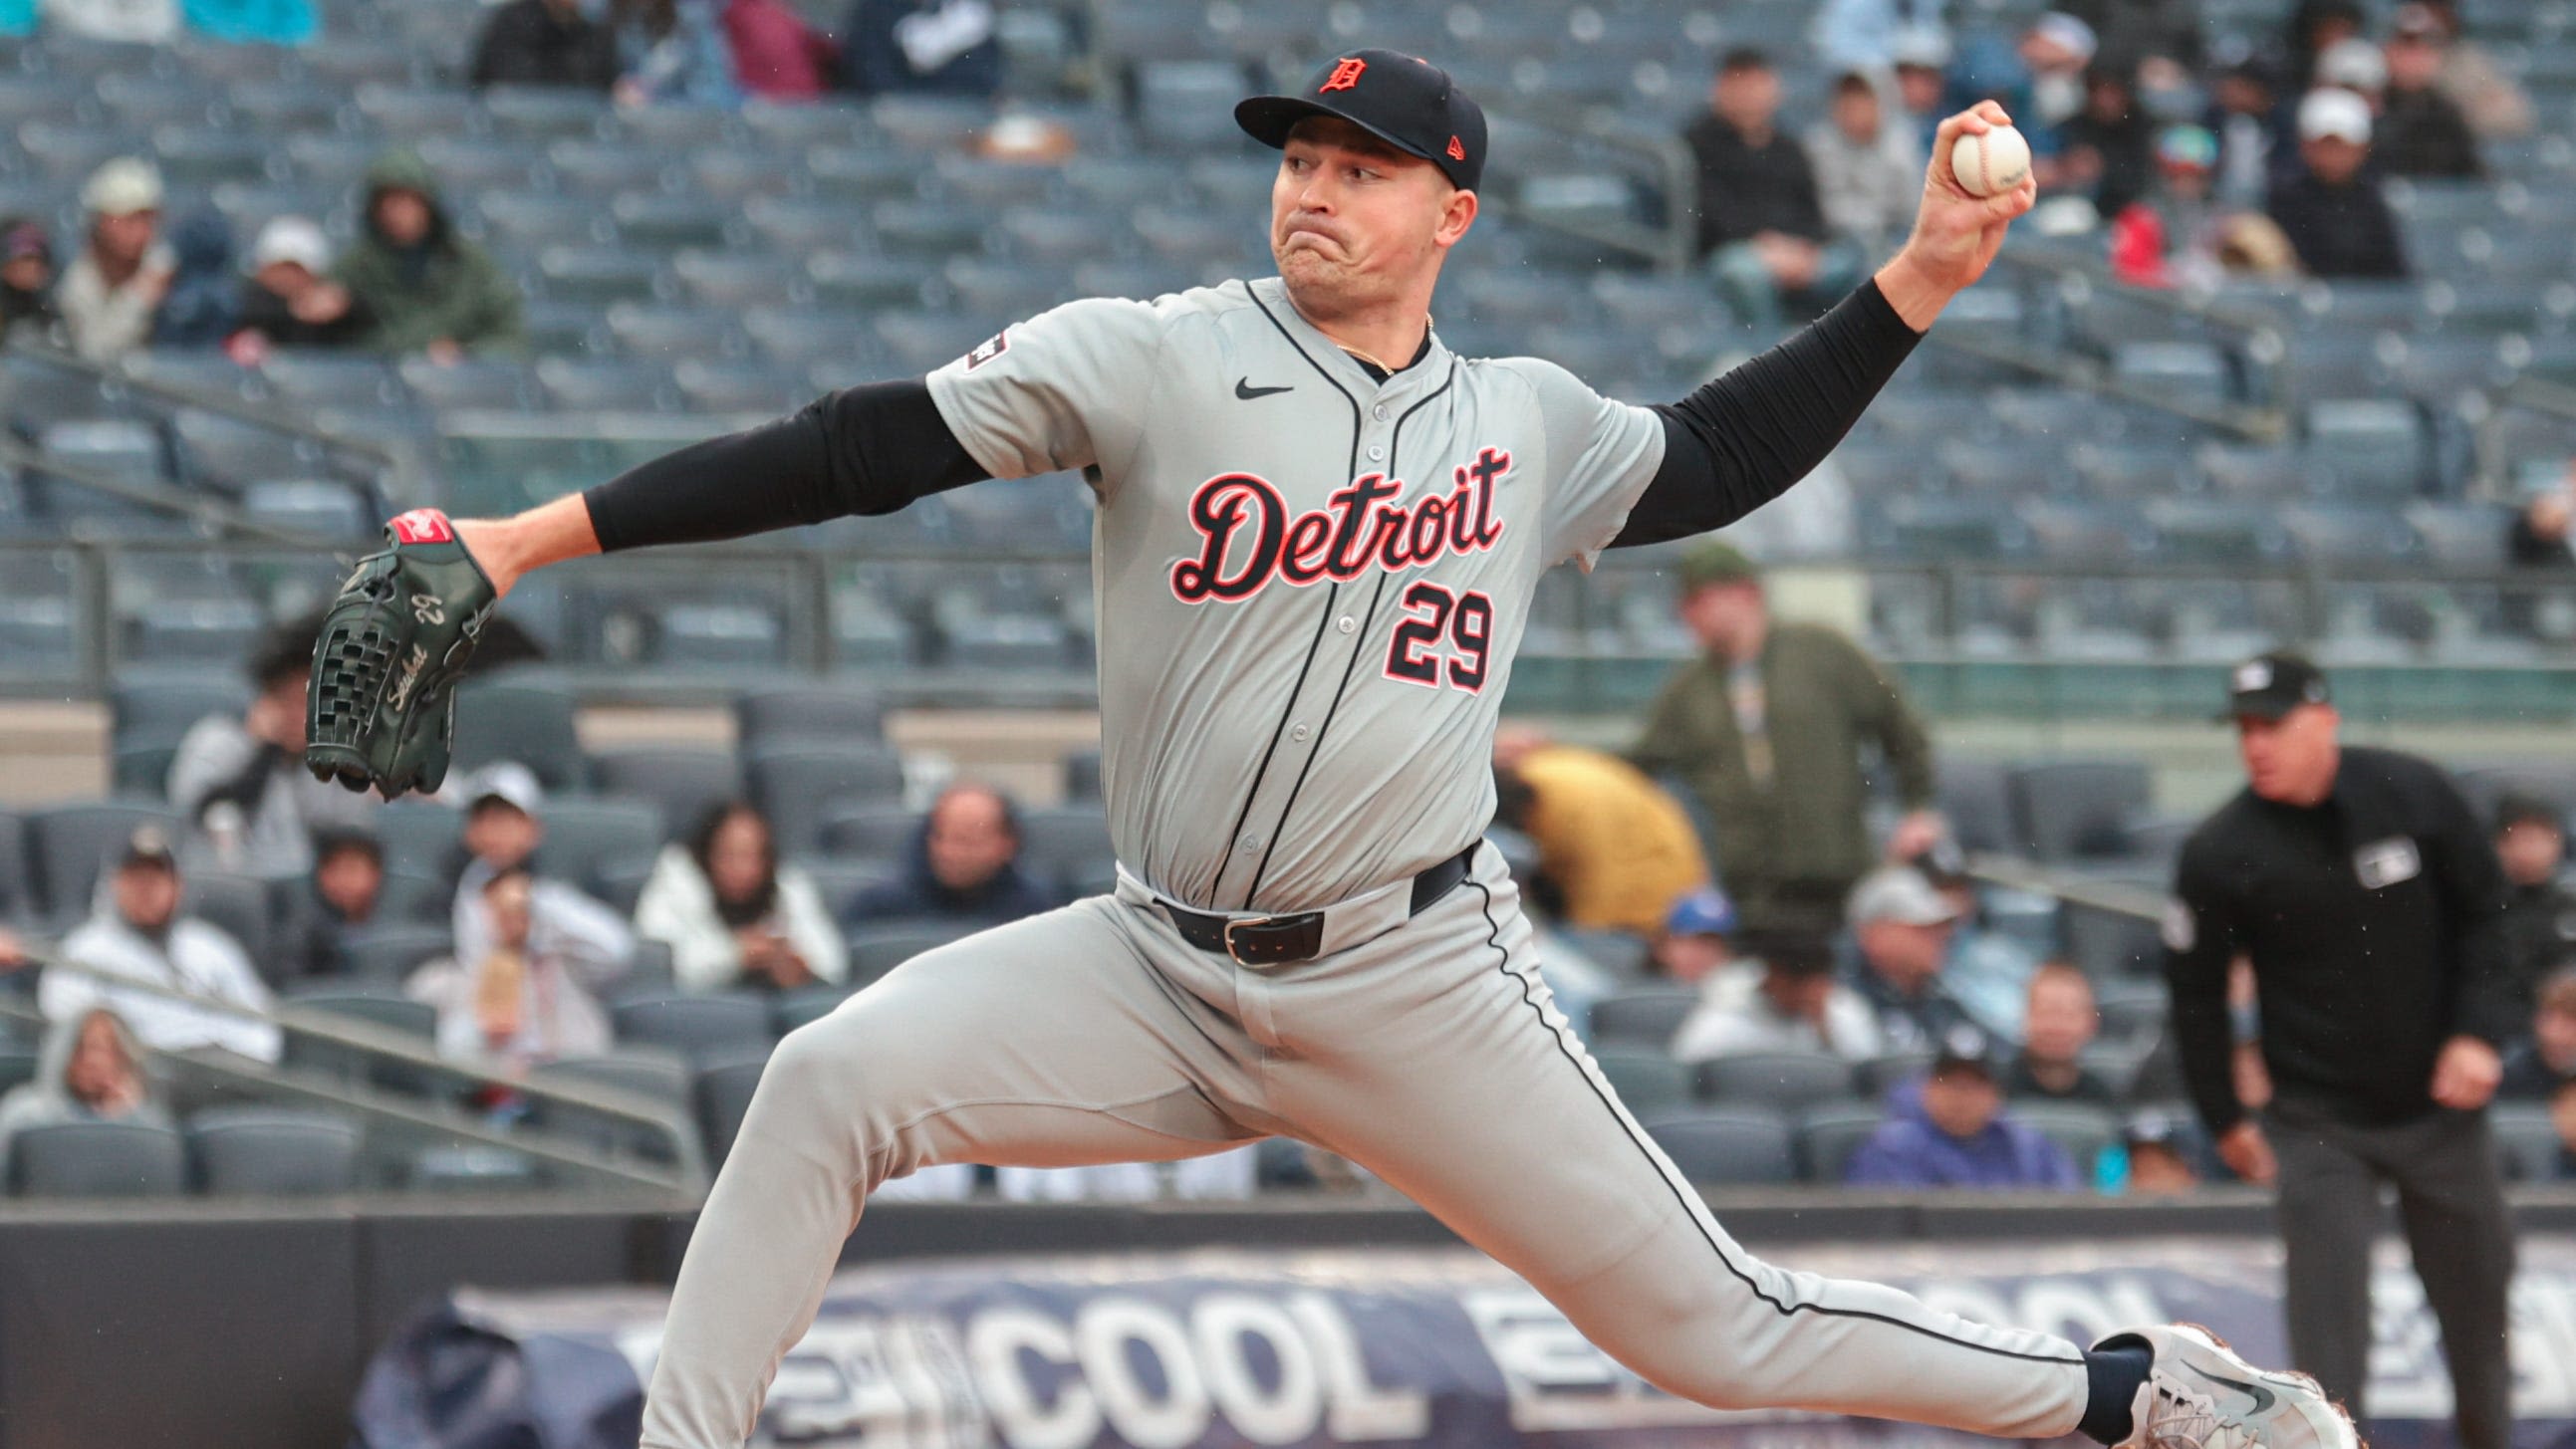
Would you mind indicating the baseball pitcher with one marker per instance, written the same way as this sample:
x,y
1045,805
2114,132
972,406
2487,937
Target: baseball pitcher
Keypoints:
x,y
1318,533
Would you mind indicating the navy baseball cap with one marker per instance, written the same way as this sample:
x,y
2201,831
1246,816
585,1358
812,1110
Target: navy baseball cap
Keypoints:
x,y
1403,100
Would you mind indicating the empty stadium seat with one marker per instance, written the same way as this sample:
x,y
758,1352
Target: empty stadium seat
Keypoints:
x,y
655,1074
1785,1080
697,1027
1739,1147
270,1152
796,781
684,783
869,831
1645,1017
878,948
2526,1143
723,1090
519,717
2081,1131
1829,1133
472,1168
1650,1083
97,1160
2078,809
1883,1074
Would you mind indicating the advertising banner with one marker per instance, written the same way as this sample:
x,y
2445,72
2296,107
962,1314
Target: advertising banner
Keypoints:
x,y
1406,1350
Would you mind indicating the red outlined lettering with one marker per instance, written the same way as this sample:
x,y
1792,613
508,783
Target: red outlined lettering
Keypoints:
x,y
1247,536
1465,620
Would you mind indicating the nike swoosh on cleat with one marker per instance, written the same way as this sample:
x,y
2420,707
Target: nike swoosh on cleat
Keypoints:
x,y
1244,389
2263,1398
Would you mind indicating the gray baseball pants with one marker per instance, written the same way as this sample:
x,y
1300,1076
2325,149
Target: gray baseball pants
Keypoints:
x,y
1431,1054
2451,1202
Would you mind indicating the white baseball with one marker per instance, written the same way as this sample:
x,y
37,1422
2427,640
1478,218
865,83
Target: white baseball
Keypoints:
x,y
1991,164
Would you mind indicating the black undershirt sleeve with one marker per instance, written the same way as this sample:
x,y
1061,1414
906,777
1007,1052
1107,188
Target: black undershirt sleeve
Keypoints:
x,y
869,449
1741,440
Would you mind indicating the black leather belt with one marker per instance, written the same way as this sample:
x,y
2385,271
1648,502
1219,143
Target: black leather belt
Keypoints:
x,y
1279,940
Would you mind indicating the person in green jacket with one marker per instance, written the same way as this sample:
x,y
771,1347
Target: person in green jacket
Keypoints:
x,y
1766,727
430,290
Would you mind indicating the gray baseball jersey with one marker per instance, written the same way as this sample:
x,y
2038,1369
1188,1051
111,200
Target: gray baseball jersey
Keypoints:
x,y
1310,583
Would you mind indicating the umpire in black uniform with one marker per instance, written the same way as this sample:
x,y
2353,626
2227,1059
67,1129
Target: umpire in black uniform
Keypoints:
x,y
2369,901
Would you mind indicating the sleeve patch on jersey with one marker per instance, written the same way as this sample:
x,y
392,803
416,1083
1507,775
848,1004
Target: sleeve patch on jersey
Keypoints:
x,y
999,343
2181,929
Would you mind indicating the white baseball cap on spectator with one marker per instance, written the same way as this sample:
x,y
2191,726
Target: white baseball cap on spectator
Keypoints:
x,y
1900,893
2355,64
1923,47
291,239
507,781
2067,33
122,187
2332,111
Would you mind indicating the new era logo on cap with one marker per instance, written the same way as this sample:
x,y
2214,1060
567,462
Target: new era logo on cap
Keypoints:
x,y
1402,100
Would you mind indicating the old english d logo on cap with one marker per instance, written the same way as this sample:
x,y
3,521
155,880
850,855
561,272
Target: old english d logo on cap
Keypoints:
x,y
1345,76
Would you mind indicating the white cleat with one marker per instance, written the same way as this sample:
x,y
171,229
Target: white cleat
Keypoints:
x,y
2200,1395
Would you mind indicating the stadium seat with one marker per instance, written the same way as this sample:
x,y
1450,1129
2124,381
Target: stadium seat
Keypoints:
x,y
825,712
796,781
655,1074
1785,1080
879,947
1738,1147
2082,1132
805,1005
683,783
697,1027
69,845
158,705
1882,1074
239,906
2486,785
1645,1017
268,1152
869,831
510,716
1650,1083
1082,775
383,955
18,1064
316,508
2072,810
586,835
1059,841
1829,1133
472,1168
472,383
724,1089
2526,1143
97,1160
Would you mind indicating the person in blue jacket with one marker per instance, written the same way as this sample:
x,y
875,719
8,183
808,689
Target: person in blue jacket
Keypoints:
x,y
1951,1130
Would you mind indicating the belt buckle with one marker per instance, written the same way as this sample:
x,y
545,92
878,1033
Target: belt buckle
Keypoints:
x,y
1231,953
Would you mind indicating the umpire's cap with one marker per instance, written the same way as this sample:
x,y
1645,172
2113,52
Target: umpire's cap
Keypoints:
x,y
2269,686
1405,101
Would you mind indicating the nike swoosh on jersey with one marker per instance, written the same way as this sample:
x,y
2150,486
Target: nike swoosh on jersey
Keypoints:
x,y
1244,389
2263,1397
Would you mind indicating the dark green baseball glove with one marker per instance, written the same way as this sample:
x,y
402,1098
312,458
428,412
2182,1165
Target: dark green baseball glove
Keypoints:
x,y
381,710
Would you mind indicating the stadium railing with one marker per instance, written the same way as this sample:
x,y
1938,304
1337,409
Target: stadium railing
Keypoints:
x,y
398,1090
